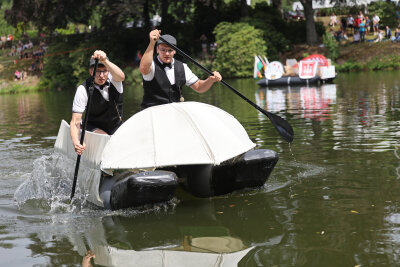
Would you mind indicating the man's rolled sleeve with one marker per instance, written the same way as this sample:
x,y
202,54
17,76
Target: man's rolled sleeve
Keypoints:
x,y
149,76
191,78
80,100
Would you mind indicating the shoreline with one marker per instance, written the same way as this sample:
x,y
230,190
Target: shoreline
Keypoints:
x,y
358,57
30,84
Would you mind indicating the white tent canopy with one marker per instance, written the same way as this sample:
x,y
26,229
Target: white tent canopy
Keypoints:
x,y
175,134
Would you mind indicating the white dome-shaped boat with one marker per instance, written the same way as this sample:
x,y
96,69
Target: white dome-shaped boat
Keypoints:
x,y
206,147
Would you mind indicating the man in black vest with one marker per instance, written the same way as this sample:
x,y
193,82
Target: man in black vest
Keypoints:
x,y
164,76
105,115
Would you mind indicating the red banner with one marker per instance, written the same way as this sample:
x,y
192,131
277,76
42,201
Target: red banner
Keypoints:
x,y
318,58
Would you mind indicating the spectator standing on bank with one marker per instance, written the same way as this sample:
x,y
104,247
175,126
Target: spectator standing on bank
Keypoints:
x,y
357,21
333,20
367,24
375,24
17,75
350,22
204,44
361,28
138,57
361,15
343,21
3,40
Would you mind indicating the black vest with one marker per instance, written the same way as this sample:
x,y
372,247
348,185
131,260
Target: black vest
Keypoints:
x,y
103,114
159,90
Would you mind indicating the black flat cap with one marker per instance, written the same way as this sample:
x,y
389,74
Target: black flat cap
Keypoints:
x,y
169,38
92,61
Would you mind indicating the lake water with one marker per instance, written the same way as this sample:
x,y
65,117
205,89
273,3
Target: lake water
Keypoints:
x,y
333,199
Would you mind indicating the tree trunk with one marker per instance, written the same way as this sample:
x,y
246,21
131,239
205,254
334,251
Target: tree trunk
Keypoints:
x,y
164,12
278,5
244,9
311,32
146,16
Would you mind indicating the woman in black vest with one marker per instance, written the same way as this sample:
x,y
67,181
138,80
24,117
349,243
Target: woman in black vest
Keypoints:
x,y
164,76
105,115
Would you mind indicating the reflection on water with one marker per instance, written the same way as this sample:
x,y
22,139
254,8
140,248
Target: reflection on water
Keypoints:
x,y
199,232
312,102
397,154
350,127
191,246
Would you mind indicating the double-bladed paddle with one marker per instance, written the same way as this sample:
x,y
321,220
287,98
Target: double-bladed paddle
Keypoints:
x,y
78,159
281,125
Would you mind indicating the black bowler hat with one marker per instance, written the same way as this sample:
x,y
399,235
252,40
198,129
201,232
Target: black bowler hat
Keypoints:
x,y
169,38
92,61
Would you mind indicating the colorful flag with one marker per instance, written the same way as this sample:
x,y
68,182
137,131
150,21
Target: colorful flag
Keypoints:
x,y
259,67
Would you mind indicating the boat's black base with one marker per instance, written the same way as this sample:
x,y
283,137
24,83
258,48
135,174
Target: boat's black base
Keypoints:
x,y
288,80
131,190
250,169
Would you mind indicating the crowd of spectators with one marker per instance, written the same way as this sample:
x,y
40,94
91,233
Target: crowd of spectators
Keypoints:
x,y
27,50
359,26
24,50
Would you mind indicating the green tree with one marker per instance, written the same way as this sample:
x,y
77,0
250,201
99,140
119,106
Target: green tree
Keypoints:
x,y
332,45
269,20
386,12
237,45
5,28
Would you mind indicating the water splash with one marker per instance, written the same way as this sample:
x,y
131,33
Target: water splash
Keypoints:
x,y
49,186
48,190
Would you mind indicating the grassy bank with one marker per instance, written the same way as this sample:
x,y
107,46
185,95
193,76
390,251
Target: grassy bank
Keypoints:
x,y
369,56
366,56
9,64
30,84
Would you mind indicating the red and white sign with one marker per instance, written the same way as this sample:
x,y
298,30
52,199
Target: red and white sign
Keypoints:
x,y
322,61
307,69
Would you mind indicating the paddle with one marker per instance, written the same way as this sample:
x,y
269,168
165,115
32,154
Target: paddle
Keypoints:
x,y
78,159
281,125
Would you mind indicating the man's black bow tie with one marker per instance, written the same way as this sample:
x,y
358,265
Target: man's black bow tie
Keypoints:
x,y
164,65
101,87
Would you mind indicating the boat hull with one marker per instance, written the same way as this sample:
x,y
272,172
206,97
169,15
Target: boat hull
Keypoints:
x,y
128,189
288,80
251,169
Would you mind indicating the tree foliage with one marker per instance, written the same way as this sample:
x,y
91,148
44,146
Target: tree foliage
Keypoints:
x,y
386,12
237,45
257,30
5,27
332,45
50,14
269,20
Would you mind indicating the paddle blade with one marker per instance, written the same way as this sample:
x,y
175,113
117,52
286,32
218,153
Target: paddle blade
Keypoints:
x,y
281,125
